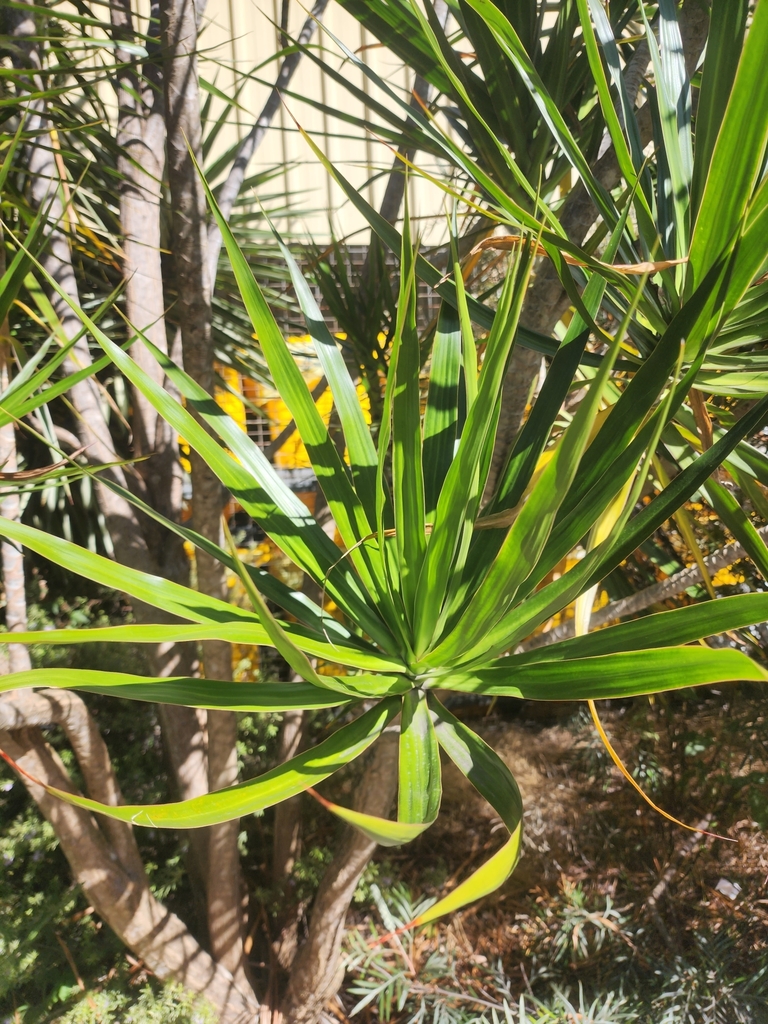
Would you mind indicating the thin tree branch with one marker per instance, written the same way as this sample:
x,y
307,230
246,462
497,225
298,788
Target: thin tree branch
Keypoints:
x,y
316,974
230,190
649,596
126,904
40,708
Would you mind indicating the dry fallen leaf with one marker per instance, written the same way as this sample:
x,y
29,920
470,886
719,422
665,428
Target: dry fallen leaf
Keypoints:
x,y
508,242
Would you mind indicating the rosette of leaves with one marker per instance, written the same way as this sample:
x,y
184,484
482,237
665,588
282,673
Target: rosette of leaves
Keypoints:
x,y
523,94
436,590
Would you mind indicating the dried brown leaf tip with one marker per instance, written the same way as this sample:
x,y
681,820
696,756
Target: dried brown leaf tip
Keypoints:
x,y
509,242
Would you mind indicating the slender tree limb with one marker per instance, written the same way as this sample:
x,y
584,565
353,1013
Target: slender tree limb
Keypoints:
x,y
287,837
230,190
316,975
649,596
11,556
63,436
40,708
127,905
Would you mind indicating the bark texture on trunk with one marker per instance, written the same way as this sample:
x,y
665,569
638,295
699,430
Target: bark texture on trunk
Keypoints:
x,y
287,838
192,314
13,560
141,163
103,855
11,556
317,974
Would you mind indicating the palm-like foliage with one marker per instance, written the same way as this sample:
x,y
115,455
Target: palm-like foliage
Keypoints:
x,y
434,590
528,104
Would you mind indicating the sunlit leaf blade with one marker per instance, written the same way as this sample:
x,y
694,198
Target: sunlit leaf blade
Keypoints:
x,y
259,490
461,492
674,104
332,476
278,637
530,531
662,629
420,788
441,416
190,692
279,784
294,602
620,119
153,590
407,471
521,621
737,159
512,46
738,522
607,39
728,19
362,452
614,675
494,781
17,270
380,830
265,496
482,314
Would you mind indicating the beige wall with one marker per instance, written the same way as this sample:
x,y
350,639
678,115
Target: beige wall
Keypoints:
x,y
239,34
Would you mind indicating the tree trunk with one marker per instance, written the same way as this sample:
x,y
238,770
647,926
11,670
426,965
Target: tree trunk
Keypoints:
x,y
141,163
192,314
316,975
287,838
11,556
105,860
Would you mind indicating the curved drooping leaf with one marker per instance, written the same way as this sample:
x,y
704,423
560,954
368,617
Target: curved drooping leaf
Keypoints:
x,y
187,691
380,830
494,781
662,629
239,631
626,674
296,603
153,590
289,779
255,483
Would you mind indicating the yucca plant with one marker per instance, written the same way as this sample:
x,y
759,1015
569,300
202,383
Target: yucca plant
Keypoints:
x,y
435,590
525,105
